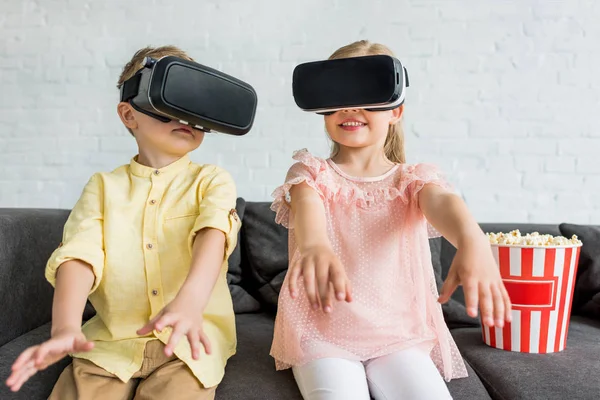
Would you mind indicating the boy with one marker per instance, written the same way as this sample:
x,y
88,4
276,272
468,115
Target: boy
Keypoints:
x,y
148,243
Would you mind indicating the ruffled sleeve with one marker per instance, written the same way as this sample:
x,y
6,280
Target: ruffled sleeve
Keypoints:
x,y
415,178
307,169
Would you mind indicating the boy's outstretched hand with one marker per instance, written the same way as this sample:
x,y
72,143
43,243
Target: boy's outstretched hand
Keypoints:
x,y
183,317
37,358
476,270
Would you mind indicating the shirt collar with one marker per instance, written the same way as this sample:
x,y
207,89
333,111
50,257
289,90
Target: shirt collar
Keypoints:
x,y
145,171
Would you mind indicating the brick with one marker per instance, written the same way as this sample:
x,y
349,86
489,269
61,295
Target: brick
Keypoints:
x,y
121,143
536,199
529,163
446,129
588,165
579,147
560,164
496,128
492,163
499,180
553,181
573,200
533,147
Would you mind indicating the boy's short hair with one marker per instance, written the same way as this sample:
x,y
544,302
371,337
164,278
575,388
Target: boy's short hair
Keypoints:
x,y
135,64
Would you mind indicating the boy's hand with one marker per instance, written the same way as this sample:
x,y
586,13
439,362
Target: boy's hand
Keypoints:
x,y
476,270
37,358
185,318
323,275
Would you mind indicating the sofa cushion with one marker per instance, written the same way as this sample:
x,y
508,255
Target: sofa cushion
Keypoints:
x,y
251,374
586,297
243,302
41,384
571,374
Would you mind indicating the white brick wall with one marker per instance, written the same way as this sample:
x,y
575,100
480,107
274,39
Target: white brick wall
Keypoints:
x,y
504,94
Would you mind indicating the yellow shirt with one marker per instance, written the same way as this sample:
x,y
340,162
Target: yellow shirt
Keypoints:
x,y
135,227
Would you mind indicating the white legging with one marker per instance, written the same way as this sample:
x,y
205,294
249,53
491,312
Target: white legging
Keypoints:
x,y
408,374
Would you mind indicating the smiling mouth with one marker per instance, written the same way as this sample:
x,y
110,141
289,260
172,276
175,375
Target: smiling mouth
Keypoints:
x,y
352,124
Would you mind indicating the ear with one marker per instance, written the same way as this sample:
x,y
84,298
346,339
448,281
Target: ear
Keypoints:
x,y
397,114
127,115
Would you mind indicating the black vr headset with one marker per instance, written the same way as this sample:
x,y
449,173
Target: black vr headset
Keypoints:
x,y
172,88
373,83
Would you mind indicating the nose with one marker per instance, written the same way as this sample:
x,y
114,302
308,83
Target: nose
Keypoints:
x,y
349,110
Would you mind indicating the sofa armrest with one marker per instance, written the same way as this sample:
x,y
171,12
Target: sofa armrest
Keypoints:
x,y
27,238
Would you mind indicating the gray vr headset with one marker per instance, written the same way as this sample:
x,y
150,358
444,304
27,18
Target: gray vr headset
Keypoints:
x,y
373,83
173,88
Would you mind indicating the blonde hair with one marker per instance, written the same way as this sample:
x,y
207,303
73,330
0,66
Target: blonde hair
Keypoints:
x,y
135,64
394,142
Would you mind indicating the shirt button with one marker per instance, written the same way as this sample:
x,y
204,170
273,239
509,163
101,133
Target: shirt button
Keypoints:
x,y
152,202
156,172
154,292
149,245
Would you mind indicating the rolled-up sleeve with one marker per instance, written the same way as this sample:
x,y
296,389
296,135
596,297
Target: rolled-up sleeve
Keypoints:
x,y
83,234
217,209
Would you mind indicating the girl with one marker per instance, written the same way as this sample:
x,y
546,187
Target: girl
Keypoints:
x,y
359,224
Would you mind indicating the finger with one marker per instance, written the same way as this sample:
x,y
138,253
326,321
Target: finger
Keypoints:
x,y
499,311
194,340
449,287
205,342
471,291
322,273
25,377
348,290
507,304
22,375
82,346
12,379
178,331
486,304
293,280
150,326
308,273
25,357
165,321
338,279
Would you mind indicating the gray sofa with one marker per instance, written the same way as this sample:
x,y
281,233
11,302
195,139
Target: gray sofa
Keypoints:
x,y
256,271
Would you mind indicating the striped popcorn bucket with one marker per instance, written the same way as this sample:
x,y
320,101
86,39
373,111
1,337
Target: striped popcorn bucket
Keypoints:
x,y
539,282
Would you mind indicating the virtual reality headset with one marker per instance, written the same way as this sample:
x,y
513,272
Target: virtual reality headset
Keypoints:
x,y
373,83
172,88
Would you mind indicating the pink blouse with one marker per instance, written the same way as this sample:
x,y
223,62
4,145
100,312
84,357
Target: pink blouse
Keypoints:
x,y
380,235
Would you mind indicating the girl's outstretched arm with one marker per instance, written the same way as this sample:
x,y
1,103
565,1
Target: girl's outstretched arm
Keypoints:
x,y
320,268
473,266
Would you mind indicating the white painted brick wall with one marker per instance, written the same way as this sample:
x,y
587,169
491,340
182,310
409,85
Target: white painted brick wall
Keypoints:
x,y
505,94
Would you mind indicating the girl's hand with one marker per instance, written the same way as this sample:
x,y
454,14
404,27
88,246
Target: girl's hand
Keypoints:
x,y
323,276
475,268
37,358
184,317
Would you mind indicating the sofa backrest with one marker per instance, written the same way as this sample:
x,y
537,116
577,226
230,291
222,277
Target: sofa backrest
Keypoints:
x,y
27,238
257,266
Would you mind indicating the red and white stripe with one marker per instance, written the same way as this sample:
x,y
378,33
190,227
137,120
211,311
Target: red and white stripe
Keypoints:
x,y
540,283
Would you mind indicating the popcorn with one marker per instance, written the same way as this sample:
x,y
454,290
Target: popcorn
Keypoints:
x,y
535,239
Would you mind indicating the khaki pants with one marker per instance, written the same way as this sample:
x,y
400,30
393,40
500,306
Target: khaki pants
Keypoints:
x,y
160,377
